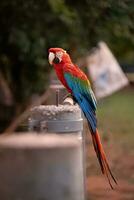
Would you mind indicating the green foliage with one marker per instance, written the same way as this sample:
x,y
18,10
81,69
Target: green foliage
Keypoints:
x,y
108,20
29,28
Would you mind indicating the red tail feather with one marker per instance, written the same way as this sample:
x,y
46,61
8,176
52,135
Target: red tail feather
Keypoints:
x,y
102,158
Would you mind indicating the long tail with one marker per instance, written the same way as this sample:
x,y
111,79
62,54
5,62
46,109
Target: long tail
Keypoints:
x,y
102,158
92,121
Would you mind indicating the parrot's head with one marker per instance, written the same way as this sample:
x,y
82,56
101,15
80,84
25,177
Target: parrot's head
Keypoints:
x,y
58,56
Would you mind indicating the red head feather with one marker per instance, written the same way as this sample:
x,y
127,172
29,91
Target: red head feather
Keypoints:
x,y
65,58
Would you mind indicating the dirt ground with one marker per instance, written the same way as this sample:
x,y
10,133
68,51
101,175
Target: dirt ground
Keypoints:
x,y
122,165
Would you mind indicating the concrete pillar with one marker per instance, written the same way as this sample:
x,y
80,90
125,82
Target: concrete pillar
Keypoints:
x,y
62,119
41,167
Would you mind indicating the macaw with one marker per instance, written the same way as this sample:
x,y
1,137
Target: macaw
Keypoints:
x,y
77,83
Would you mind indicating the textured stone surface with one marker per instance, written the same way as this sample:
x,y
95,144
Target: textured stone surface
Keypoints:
x,y
41,167
53,112
58,119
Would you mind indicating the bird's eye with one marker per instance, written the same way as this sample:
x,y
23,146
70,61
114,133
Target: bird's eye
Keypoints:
x,y
56,60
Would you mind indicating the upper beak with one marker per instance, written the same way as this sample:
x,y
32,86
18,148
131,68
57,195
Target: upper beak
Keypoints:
x,y
51,58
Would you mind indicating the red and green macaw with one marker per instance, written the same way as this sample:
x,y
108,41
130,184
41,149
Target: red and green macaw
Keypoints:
x,y
77,83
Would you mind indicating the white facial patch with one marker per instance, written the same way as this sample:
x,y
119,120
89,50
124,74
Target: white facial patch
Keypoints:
x,y
51,57
59,55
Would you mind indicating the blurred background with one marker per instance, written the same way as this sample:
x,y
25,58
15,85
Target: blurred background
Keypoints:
x,y
29,28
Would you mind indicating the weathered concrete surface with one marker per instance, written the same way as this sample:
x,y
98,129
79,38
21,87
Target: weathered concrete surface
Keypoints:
x,y
58,119
41,167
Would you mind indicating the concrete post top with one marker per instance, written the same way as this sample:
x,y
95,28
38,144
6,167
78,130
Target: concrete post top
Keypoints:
x,y
52,112
39,141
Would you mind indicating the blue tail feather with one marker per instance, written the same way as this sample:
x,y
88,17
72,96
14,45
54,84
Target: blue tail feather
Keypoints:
x,y
89,114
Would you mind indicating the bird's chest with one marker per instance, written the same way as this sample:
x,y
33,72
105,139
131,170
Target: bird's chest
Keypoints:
x,y
60,75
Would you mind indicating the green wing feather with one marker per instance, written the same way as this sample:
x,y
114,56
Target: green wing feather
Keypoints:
x,y
81,87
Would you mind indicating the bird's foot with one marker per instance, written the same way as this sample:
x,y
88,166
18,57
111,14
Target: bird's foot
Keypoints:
x,y
68,100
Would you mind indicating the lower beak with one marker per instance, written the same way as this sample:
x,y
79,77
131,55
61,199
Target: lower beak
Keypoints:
x,y
51,58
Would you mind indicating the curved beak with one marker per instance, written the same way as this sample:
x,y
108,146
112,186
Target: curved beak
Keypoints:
x,y
51,58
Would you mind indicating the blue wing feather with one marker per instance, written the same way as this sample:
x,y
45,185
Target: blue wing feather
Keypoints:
x,y
84,97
